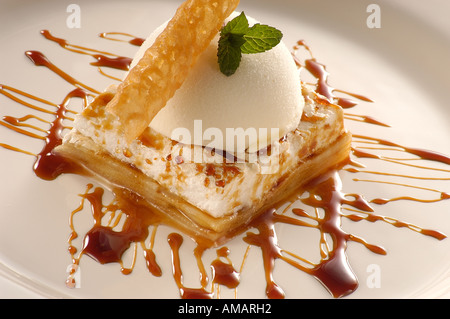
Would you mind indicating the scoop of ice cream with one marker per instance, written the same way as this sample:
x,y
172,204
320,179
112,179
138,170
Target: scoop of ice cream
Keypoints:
x,y
249,110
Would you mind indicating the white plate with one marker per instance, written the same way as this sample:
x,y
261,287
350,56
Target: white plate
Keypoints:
x,y
403,66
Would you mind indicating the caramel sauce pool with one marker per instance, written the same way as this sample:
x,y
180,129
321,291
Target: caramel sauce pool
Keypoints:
x,y
105,244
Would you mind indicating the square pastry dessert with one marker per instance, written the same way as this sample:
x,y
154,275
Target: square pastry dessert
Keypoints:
x,y
142,137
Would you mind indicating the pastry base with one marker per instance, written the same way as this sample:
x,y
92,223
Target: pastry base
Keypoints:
x,y
128,181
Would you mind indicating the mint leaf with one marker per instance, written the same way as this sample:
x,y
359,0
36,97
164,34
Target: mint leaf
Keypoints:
x,y
261,38
236,38
230,42
238,25
229,56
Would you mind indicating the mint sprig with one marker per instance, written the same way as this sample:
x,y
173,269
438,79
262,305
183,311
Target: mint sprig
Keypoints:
x,y
237,38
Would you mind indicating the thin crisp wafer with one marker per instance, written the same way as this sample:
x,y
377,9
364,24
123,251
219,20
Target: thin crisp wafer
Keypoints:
x,y
165,65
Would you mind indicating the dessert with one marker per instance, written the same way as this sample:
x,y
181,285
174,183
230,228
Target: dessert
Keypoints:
x,y
208,192
130,222
207,200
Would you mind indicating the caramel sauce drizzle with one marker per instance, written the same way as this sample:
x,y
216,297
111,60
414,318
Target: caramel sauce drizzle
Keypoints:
x,y
319,71
125,223
47,165
365,119
39,59
132,39
104,59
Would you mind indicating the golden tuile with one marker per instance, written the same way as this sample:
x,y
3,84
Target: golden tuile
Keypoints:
x,y
166,64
